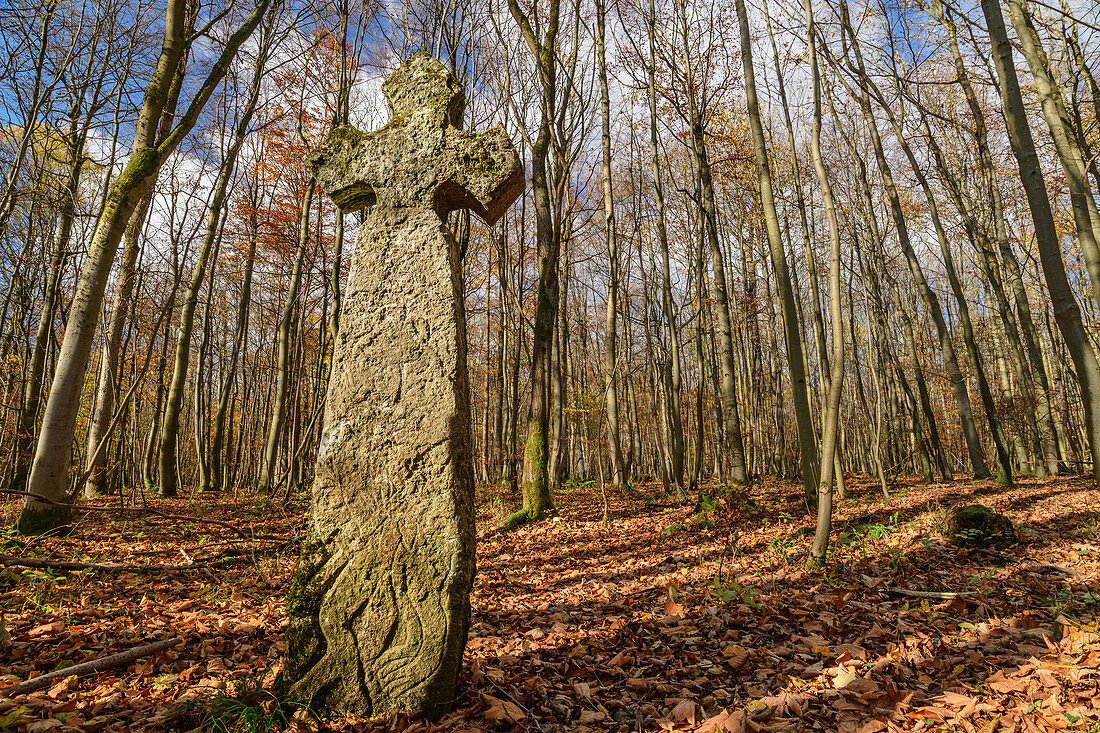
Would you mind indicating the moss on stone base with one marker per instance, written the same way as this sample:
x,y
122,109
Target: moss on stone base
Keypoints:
x,y
303,597
980,527
305,641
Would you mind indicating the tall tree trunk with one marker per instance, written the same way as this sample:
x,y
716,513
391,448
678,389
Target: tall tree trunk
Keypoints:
x,y
807,439
1003,462
1025,330
1067,313
217,440
53,457
32,390
611,310
168,483
1085,215
670,367
536,479
931,299
268,469
831,419
120,309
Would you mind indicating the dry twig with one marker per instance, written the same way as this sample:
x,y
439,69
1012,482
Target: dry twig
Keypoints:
x,y
96,665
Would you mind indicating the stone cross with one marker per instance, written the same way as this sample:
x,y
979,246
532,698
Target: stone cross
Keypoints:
x,y
379,605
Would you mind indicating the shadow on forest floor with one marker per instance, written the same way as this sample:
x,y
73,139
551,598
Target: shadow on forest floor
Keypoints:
x,y
659,620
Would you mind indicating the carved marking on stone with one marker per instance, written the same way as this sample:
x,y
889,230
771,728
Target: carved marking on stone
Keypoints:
x,y
378,609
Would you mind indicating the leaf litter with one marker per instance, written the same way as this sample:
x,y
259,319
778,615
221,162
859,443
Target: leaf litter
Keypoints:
x,y
667,618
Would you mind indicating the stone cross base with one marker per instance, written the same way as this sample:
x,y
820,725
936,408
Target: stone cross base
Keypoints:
x,y
378,607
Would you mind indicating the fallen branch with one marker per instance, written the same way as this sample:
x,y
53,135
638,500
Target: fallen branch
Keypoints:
x,y
76,507
258,539
941,595
202,520
1025,561
140,510
96,665
30,562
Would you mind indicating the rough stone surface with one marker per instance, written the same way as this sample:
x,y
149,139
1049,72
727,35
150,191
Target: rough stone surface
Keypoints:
x,y
979,526
378,609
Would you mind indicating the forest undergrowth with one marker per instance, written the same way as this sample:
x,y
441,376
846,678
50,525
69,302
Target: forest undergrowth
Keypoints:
x,y
668,616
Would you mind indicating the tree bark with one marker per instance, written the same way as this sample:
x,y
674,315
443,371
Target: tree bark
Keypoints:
x,y
53,456
807,440
1067,312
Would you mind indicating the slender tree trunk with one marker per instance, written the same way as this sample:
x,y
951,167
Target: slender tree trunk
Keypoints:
x,y
995,427
1072,158
53,457
1067,313
169,428
269,470
536,480
611,392
931,299
670,367
217,439
807,440
1025,329
120,310
32,390
831,420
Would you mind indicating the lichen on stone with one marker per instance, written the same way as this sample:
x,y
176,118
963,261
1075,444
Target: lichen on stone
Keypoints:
x,y
303,595
479,161
346,134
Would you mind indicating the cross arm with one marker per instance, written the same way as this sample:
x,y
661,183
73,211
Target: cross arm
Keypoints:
x,y
481,172
337,165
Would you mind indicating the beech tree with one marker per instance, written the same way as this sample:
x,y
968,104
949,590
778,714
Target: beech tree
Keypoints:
x,y
49,477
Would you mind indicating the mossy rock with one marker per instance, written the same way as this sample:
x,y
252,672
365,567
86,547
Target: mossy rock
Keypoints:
x,y
979,526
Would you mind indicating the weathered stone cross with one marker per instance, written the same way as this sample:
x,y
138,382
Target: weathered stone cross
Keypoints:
x,y
379,606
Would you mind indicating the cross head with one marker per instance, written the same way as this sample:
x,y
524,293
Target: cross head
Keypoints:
x,y
422,157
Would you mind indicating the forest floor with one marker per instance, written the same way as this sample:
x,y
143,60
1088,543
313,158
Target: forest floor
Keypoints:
x,y
659,620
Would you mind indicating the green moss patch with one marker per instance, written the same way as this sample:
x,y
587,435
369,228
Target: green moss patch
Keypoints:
x,y
979,526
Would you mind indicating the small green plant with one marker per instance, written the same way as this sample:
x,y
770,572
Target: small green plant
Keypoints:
x,y
731,591
878,531
737,499
861,536
673,529
779,547
1090,530
924,608
702,521
982,577
940,517
40,586
251,708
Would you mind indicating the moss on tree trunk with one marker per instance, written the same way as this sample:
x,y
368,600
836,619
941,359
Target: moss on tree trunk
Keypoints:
x,y
36,521
536,479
